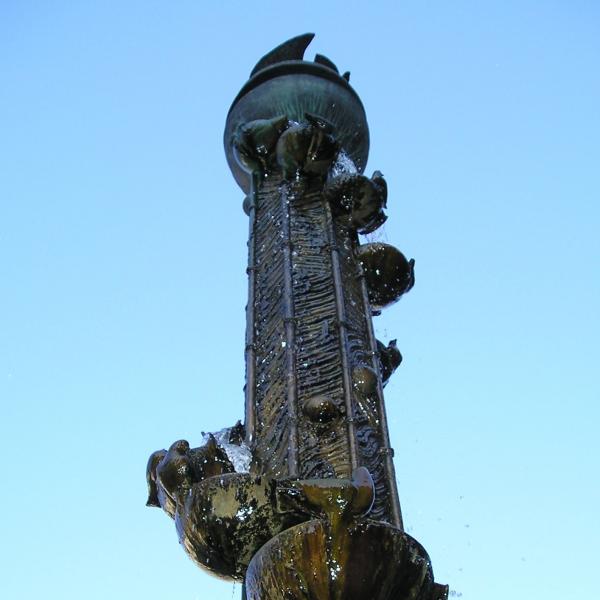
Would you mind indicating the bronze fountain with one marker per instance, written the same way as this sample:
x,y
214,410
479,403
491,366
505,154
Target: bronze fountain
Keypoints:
x,y
300,501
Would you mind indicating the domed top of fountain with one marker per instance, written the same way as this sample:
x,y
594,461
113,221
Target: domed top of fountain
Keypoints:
x,y
283,83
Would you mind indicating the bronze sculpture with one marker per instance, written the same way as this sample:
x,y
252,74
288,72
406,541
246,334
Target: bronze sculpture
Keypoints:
x,y
312,510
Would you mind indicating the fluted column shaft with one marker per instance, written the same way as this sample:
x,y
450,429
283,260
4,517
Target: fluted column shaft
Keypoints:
x,y
317,405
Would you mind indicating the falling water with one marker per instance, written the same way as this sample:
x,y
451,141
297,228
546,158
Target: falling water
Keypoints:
x,y
343,164
239,454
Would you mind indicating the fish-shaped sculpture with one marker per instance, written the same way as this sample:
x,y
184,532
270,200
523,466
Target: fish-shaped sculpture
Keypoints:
x,y
361,199
388,273
389,359
307,147
255,141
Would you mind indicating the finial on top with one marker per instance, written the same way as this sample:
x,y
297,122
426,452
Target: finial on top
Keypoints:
x,y
292,49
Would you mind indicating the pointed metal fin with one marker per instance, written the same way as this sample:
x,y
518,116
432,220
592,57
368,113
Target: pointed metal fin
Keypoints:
x,y
323,60
291,50
346,75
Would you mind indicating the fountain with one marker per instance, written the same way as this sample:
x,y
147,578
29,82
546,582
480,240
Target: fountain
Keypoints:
x,y
300,501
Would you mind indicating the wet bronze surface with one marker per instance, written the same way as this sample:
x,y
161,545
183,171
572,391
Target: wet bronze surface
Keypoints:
x,y
367,560
317,515
388,273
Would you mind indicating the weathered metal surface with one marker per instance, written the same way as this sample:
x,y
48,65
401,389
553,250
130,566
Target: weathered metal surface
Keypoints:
x,y
316,512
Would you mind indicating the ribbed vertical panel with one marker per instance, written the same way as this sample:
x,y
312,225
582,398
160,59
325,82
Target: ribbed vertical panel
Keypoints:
x,y
369,414
387,454
289,324
324,447
250,352
271,443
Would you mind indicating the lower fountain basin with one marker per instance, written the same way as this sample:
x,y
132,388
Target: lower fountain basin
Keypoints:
x,y
367,560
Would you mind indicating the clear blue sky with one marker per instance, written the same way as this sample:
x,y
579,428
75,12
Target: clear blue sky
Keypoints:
x,y
122,278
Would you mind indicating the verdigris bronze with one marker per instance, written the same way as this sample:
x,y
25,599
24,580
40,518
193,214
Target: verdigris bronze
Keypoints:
x,y
301,501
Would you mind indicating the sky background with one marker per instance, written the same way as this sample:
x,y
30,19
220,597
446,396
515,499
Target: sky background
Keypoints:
x,y
123,286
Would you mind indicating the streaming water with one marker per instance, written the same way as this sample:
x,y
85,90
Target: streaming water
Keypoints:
x,y
343,164
238,454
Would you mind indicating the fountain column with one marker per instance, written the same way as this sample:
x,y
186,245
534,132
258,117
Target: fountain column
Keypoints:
x,y
316,512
